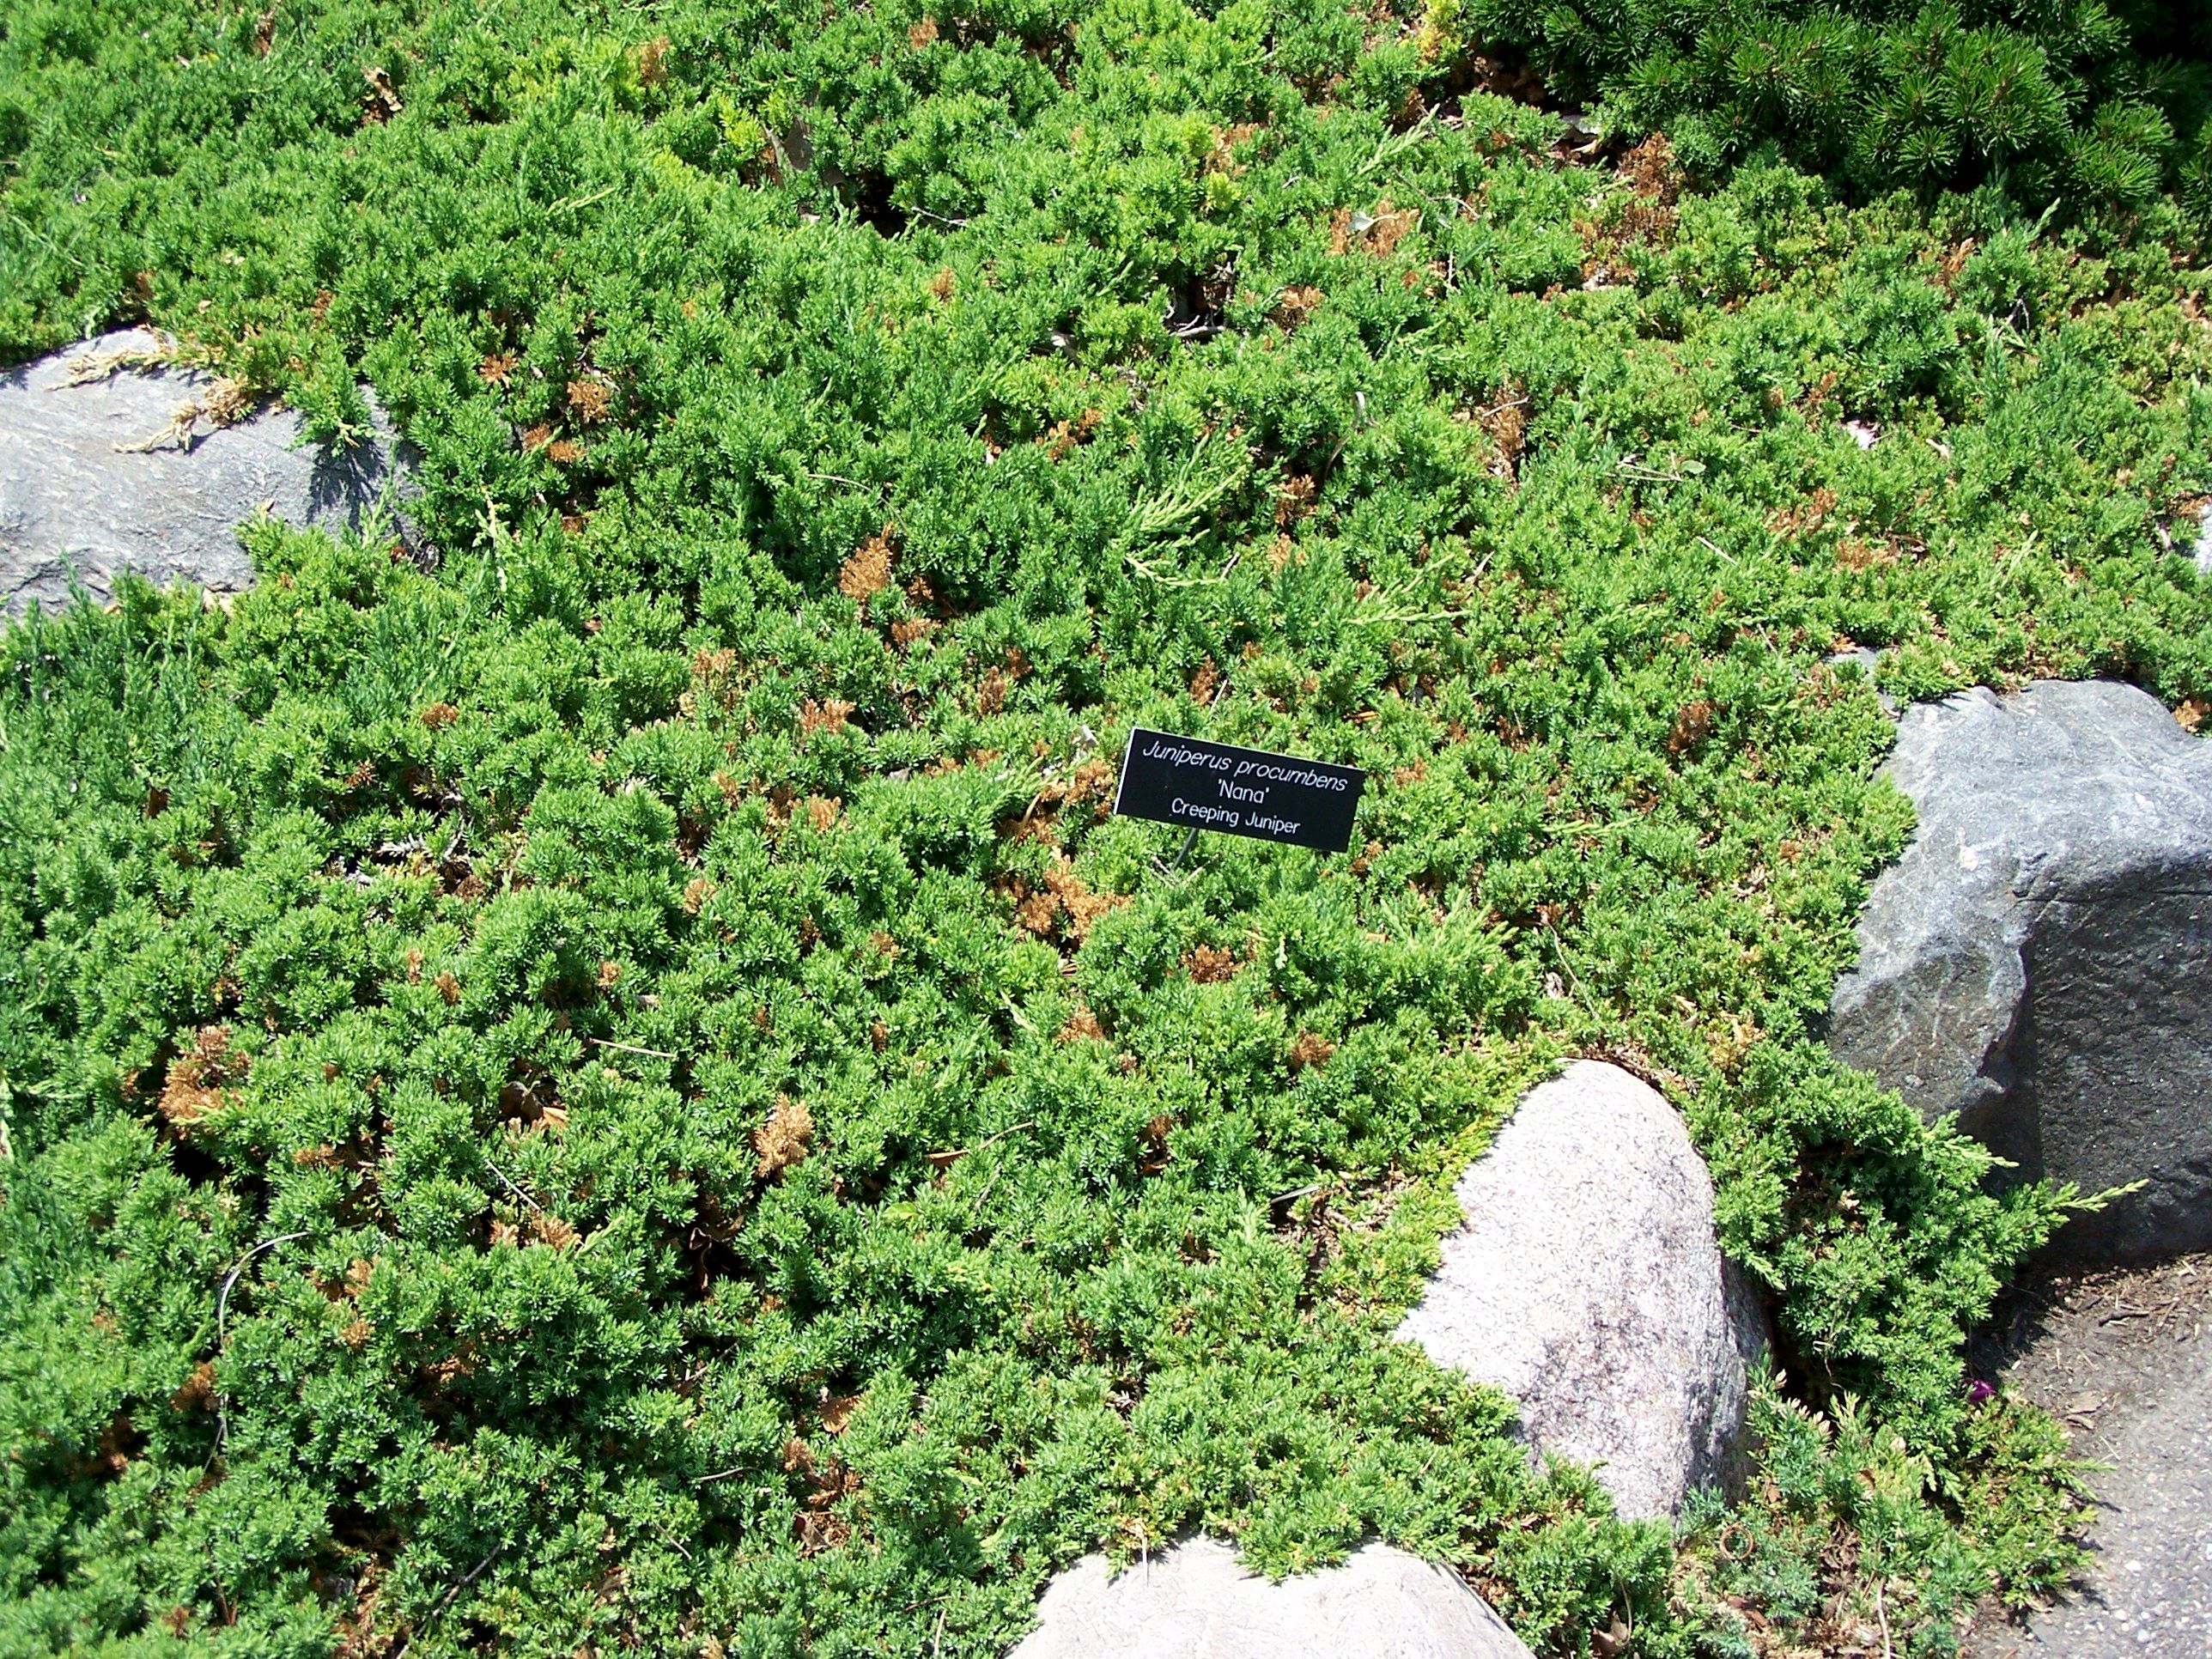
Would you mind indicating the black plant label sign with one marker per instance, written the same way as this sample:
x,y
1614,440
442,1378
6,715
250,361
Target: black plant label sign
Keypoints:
x,y
1245,792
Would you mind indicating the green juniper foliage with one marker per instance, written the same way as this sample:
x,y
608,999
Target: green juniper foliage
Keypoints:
x,y
613,1084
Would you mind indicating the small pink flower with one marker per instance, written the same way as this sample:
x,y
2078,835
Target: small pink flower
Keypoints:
x,y
1980,1393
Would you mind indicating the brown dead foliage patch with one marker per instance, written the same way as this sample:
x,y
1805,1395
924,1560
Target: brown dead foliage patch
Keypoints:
x,y
1221,157
1953,262
381,102
1065,437
1036,910
325,1155
923,34
1082,1026
449,989
1646,220
1656,182
868,571
1855,554
197,1394
439,715
1152,1147
1311,1049
1209,964
356,1628
1804,517
816,1527
714,680
592,400
831,714
1090,782
1505,424
1296,304
991,692
1093,780
440,1374
782,1141
225,401
200,1079
1693,724
653,61
1376,232
1294,499
2192,713
1059,901
564,452
1205,684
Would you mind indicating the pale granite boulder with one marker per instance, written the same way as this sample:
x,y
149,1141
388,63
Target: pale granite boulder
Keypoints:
x,y
1586,1282
1196,1602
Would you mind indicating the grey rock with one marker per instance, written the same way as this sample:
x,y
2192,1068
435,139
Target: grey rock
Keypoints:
x,y
76,495
1586,1282
2032,962
2204,542
1196,1601
1867,660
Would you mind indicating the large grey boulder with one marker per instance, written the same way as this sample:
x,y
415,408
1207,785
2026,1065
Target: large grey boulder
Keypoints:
x,y
2036,961
99,474
1196,1601
1587,1283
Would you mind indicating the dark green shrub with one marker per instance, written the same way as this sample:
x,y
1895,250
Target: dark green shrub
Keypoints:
x,y
2084,103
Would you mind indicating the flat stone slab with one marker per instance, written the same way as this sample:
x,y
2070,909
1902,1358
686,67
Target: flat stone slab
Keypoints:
x,y
2126,1358
1196,1602
97,477
2034,962
1587,1283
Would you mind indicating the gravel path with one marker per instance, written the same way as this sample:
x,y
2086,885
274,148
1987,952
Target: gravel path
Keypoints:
x,y
2126,1359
